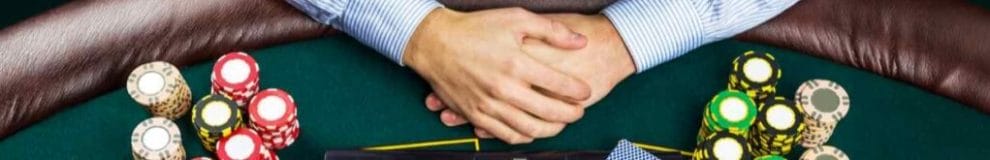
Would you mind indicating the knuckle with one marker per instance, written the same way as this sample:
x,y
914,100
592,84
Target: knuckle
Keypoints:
x,y
531,130
570,114
514,66
552,131
501,90
486,107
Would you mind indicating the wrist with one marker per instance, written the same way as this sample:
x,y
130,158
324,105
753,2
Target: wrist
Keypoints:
x,y
617,54
420,42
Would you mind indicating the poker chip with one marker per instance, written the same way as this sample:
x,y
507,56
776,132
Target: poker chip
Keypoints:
x,y
770,157
730,111
756,74
215,117
160,88
778,127
825,152
722,146
243,144
157,138
236,75
273,114
201,158
825,103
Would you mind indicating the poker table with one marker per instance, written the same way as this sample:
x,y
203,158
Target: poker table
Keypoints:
x,y
351,97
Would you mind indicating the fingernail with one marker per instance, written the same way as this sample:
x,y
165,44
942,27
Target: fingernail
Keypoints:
x,y
448,119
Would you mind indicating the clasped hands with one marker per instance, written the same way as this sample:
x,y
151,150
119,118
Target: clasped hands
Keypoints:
x,y
516,75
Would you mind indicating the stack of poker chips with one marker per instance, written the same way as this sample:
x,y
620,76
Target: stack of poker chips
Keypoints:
x,y
273,115
201,158
824,152
722,146
157,138
235,75
824,103
244,144
756,74
160,88
778,127
215,117
770,157
729,111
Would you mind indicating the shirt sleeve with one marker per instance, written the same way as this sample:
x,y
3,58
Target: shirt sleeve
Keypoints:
x,y
384,25
658,31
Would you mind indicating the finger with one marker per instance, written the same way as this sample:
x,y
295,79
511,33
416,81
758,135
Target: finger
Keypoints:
x,y
554,81
522,122
536,104
451,118
497,128
433,103
482,133
555,33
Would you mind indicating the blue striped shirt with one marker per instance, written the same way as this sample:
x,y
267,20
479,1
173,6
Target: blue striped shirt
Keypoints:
x,y
654,31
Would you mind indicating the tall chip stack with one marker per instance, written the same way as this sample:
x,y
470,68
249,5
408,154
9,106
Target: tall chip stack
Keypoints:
x,y
824,153
243,144
215,117
824,103
756,74
236,75
729,111
157,138
722,146
778,127
273,115
160,88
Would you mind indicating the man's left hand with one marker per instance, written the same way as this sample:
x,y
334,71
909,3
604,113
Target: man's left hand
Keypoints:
x,y
603,63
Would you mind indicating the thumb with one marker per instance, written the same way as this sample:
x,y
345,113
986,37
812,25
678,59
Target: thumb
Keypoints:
x,y
554,33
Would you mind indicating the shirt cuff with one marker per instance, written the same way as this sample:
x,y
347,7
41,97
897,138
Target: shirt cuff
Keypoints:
x,y
384,25
656,31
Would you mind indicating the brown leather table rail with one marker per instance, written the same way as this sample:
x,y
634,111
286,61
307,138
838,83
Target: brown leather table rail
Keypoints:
x,y
84,48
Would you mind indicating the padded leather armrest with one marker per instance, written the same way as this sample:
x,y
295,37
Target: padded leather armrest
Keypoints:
x,y
84,48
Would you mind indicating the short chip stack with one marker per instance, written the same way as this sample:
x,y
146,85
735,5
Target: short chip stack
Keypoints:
x,y
778,127
824,153
157,138
273,115
722,146
756,74
824,103
243,144
160,88
730,111
236,75
215,117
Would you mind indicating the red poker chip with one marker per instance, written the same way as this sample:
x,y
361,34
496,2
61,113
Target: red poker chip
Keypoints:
x,y
279,140
272,108
242,144
268,154
235,71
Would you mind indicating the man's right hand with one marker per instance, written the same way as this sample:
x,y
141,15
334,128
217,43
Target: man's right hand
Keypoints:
x,y
602,64
476,65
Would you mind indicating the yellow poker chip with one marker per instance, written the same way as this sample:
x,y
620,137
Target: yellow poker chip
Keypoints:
x,y
823,100
215,117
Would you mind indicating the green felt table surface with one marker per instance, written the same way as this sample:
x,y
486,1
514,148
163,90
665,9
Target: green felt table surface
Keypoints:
x,y
351,97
